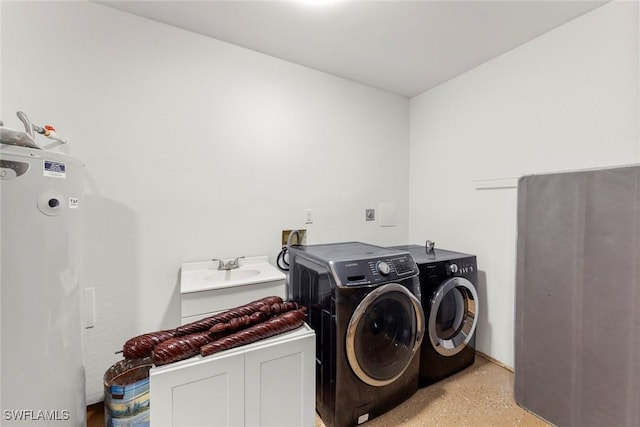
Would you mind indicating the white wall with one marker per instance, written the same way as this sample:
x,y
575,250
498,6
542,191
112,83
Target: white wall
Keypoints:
x,y
194,149
566,100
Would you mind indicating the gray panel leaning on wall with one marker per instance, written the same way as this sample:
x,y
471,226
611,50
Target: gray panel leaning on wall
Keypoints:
x,y
577,343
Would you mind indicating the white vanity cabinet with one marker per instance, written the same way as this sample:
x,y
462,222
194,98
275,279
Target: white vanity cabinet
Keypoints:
x,y
268,383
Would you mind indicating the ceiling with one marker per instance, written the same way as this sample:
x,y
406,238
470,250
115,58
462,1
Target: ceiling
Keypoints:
x,y
405,47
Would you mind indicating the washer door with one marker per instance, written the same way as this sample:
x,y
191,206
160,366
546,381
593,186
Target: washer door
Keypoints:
x,y
453,316
384,333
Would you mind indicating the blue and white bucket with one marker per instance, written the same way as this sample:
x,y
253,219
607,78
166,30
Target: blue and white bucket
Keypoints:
x,y
126,389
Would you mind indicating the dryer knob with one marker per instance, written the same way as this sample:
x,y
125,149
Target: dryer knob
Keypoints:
x,y
383,268
453,268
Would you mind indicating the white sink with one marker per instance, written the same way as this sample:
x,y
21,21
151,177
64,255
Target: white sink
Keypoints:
x,y
205,290
231,275
204,276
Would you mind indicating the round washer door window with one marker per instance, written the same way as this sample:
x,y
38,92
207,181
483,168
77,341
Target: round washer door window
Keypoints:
x,y
384,333
453,316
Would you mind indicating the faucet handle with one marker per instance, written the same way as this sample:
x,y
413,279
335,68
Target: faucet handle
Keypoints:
x,y
222,265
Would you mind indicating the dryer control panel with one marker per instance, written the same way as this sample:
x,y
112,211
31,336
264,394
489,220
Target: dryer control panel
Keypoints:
x,y
374,271
460,267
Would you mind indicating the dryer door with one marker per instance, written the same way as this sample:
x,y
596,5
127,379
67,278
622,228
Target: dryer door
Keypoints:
x,y
384,333
453,316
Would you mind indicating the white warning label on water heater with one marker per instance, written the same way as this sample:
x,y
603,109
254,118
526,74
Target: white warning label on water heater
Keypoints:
x,y
54,169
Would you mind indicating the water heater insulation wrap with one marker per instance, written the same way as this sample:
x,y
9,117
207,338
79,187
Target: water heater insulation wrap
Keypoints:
x,y
42,373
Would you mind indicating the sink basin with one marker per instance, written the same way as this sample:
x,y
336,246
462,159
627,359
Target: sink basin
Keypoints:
x,y
204,276
227,275
205,290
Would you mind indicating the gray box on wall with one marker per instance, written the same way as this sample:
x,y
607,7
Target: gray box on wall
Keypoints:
x,y
577,343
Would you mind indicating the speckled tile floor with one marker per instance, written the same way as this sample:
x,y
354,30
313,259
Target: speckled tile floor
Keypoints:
x,y
479,396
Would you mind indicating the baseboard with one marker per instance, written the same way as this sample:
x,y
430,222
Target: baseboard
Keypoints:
x,y
496,361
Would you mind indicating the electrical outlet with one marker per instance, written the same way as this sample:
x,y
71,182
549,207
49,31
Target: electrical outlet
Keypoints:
x,y
294,241
370,215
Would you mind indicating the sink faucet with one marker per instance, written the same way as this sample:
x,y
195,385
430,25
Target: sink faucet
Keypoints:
x,y
229,265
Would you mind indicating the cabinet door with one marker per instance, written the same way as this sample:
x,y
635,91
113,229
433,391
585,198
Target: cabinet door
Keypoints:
x,y
208,393
280,384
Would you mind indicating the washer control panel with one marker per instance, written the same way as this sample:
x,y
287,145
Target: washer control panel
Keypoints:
x,y
374,271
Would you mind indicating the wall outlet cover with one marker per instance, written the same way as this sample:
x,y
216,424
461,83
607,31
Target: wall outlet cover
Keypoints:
x,y
387,214
370,214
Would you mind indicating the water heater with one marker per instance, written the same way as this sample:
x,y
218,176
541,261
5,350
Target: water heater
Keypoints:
x,y
41,343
